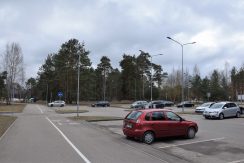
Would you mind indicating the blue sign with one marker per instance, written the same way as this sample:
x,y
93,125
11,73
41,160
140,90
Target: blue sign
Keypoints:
x,y
60,94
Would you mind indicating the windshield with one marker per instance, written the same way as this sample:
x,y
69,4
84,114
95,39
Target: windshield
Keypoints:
x,y
217,106
206,104
134,115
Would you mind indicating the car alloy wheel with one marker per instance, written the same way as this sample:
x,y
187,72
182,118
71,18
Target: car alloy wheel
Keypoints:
x,y
238,115
148,137
221,116
191,133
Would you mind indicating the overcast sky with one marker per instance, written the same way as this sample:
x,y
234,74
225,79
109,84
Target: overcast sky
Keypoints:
x,y
115,27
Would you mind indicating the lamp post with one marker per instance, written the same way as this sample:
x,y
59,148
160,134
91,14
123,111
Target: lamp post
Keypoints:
x,y
151,56
78,81
182,71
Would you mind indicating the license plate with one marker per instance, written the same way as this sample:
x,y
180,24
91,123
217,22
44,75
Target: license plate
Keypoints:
x,y
129,125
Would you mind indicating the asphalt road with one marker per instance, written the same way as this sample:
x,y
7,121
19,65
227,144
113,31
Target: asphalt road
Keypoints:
x,y
40,135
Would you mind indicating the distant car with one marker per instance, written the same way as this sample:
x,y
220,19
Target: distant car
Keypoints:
x,y
222,110
201,108
101,104
185,104
148,124
159,104
168,103
138,104
57,103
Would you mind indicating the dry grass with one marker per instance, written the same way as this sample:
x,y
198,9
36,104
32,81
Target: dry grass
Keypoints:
x,y
5,122
68,111
96,118
13,108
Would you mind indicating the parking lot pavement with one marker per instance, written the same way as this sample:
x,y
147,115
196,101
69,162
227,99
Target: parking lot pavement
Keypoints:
x,y
217,141
100,111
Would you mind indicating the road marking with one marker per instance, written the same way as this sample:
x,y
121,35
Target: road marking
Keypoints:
x,y
7,130
238,161
70,143
144,152
191,143
40,109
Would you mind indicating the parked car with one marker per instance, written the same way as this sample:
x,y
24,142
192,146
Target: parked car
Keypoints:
x,y
168,103
201,108
101,104
222,110
56,103
139,104
156,104
185,104
149,124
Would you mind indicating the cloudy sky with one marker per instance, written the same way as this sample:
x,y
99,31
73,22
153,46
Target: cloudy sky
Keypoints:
x,y
115,27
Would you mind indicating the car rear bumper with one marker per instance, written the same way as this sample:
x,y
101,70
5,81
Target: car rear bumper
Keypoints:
x,y
133,133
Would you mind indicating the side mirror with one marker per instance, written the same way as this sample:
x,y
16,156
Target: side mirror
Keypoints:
x,y
225,107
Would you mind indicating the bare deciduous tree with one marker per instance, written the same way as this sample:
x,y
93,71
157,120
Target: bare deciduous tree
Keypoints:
x,y
13,64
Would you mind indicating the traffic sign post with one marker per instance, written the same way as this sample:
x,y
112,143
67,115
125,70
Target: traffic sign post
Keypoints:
x,y
60,94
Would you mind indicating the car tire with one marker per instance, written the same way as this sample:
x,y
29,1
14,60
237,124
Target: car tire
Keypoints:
x,y
221,116
62,106
191,132
51,105
148,137
206,117
238,114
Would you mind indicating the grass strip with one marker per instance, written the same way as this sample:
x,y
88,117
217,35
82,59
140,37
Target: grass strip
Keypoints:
x,y
96,118
68,111
13,108
5,122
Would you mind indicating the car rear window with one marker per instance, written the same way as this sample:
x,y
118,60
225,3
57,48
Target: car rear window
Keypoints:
x,y
134,115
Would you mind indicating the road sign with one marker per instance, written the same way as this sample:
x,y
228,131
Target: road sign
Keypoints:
x,y
60,94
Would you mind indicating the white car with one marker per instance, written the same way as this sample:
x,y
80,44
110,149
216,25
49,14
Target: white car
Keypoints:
x,y
201,108
56,103
222,110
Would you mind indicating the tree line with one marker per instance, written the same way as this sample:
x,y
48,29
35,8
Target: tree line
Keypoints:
x,y
132,81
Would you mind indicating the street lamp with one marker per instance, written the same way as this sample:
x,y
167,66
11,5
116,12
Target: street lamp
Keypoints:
x,y
151,56
182,71
78,78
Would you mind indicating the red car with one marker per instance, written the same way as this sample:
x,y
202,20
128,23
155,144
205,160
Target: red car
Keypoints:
x,y
155,123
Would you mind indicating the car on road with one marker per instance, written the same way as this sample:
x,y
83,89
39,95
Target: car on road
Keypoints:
x,y
222,110
138,104
201,108
101,104
185,104
149,124
57,103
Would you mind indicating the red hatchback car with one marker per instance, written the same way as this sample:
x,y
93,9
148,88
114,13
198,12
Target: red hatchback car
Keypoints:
x,y
155,123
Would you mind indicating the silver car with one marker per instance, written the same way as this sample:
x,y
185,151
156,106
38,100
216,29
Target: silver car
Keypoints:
x,y
56,103
201,108
139,104
222,110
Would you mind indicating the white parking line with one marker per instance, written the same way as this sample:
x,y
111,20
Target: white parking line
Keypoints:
x,y
40,109
238,161
191,143
70,143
